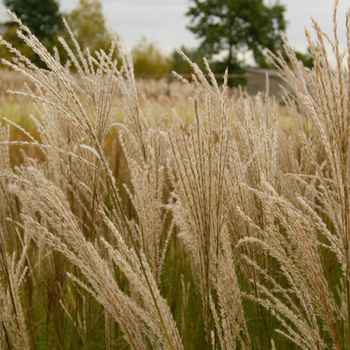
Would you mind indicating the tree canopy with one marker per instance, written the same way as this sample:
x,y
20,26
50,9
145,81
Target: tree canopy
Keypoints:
x,y
88,25
43,17
149,60
237,26
179,65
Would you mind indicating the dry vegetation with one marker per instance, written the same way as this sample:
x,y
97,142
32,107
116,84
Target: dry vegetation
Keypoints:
x,y
127,225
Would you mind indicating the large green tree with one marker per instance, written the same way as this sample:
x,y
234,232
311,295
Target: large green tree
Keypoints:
x,y
43,17
237,26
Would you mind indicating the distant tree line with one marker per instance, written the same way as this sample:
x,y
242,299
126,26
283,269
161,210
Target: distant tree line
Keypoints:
x,y
228,30
45,20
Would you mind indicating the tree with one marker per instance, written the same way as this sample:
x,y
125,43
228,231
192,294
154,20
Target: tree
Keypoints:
x,y
45,21
88,25
237,26
43,17
306,58
179,65
148,60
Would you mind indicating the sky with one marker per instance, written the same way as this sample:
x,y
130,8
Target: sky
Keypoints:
x,y
164,21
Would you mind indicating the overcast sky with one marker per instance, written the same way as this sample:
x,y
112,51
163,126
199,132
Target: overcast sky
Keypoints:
x,y
164,21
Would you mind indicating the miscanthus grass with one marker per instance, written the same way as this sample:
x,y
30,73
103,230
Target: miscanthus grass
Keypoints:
x,y
228,231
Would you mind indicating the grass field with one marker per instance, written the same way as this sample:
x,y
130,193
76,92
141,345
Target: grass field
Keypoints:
x,y
147,215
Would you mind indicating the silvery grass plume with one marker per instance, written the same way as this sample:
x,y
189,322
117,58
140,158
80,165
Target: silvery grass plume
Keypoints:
x,y
5,165
144,315
13,270
290,238
275,235
73,113
153,226
79,111
144,149
255,156
14,334
322,97
259,156
199,156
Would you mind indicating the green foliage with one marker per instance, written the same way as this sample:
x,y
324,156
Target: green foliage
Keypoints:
x,y
88,25
43,17
148,60
236,26
10,35
45,21
179,65
306,58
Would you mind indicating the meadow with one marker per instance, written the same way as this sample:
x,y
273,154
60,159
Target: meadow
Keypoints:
x,y
147,215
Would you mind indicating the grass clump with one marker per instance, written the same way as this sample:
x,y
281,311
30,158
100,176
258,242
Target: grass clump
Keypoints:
x,y
120,229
